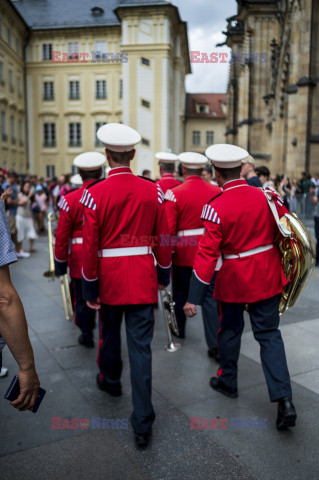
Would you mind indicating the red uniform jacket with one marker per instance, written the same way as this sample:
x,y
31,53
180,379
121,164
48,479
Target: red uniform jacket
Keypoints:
x,y
184,206
124,211
168,181
70,227
239,220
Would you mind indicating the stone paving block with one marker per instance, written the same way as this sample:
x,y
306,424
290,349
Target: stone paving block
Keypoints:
x,y
311,325
269,454
178,452
21,430
301,348
89,456
188,380
308,380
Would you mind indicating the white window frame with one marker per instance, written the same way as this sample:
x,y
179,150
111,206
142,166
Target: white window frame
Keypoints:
x,y
74,89
47,51
100,47
196,137
48,90
100,89
50,171
98,125
75,134
73,48
210,137
49,134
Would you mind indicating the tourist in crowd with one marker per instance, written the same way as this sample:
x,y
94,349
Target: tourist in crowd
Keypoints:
x,y
12,201
285,191
304,183
248,172
315,179
56,190
263,174
66,187
24,219
207,175
41,200
147,174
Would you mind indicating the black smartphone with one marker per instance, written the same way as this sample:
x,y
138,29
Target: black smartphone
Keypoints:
x,y
14,390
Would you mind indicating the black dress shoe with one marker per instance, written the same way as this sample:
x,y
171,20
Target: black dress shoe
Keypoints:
x,y
220,387
214,353
86,343
286,414
142,439
114,389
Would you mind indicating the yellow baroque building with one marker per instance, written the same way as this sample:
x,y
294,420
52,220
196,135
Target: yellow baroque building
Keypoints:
x,y
86,63
13,36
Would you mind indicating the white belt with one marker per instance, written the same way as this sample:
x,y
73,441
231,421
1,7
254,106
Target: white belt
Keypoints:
x,y
125,251
77,241
248,253
188,233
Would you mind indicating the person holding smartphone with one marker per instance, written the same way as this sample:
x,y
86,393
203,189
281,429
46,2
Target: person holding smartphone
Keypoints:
x,y
13,325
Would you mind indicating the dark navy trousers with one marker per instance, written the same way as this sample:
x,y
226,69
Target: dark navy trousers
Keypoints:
x,y
264,317
84,317
139,323
181,280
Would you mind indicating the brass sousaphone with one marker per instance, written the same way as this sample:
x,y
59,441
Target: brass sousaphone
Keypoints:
x,y
298,255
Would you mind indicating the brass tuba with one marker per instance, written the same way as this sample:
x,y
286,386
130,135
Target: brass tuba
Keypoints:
x,y
298,260
65,289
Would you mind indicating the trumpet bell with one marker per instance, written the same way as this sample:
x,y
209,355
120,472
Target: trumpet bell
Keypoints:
x,y
49,274
173,347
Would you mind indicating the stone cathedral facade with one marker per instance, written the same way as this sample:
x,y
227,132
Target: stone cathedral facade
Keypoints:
x,y
273,88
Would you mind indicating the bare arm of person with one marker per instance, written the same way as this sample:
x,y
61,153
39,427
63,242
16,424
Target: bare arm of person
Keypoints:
x,y
13,327
313,198
21,202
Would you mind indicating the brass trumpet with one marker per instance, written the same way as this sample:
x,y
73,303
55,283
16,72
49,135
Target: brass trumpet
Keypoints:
x,y
168,306
65,289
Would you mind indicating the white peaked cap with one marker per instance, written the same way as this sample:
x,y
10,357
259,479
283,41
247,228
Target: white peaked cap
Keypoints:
x,y
192,159
76,180
118,137
224,155
166,157
89,160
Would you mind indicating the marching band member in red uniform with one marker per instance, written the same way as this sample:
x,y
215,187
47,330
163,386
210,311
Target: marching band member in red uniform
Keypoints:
x,y
240,225
184,205
124,221
76,180
167,161
69,234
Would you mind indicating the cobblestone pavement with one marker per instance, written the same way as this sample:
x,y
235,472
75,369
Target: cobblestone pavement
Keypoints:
x,y
249,448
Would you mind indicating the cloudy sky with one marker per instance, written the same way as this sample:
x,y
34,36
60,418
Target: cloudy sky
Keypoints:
x,y
206,20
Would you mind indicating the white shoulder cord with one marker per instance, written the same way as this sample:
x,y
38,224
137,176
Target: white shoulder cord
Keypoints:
x,y
283,230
